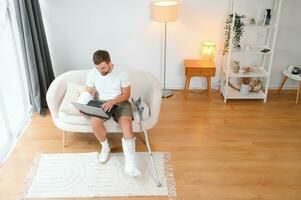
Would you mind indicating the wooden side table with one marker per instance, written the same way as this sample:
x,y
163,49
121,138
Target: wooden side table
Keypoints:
x,y
204,68
286,75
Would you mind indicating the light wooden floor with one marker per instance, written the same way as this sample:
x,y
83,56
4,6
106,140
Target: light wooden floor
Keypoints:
x,y
239,150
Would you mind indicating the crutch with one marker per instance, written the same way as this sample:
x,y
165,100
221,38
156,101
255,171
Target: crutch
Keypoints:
x,y
140,109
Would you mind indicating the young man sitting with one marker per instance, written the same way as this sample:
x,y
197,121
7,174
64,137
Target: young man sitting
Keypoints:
x,y
110,85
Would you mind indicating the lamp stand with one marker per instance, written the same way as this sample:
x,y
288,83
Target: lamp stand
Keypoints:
x,y
165,93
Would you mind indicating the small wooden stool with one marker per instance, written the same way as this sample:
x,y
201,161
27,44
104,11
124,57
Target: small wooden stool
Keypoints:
x,y
287,75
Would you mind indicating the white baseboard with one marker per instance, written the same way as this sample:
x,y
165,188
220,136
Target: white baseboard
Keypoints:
x,y
214,87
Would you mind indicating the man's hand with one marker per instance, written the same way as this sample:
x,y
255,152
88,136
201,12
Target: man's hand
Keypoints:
x,y
107,106
80,112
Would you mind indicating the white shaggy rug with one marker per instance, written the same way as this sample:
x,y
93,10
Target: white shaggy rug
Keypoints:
x,y
81,175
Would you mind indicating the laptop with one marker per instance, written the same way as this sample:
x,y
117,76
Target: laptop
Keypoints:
x,y
92,109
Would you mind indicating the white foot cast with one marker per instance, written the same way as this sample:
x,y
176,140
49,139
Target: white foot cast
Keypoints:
x,y
130,168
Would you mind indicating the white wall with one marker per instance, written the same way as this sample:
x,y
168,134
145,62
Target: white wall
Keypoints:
x,y
76,28
288,42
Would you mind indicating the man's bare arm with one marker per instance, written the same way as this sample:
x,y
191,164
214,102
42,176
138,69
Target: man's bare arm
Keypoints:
x,y
125,95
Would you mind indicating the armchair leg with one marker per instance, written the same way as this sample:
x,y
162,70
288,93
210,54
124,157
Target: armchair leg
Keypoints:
x,y
64,138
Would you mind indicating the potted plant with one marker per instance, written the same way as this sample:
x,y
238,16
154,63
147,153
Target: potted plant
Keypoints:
x,y
238,29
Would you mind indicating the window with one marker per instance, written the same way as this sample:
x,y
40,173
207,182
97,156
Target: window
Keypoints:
x,y
14,99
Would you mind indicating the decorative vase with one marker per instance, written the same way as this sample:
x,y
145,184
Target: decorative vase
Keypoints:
x,y
244,89
268,17
235,66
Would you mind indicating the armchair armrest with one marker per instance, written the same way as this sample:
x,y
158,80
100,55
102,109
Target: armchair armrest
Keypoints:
x,y
55,94
154,98
146,86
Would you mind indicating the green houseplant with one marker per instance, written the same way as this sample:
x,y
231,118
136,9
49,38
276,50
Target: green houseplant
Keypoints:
x,y
238,31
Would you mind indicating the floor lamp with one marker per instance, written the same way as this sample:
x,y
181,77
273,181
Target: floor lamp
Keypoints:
x,y
165,11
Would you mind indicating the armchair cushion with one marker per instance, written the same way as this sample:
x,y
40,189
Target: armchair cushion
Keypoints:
x,y
73,91
69,114
84,119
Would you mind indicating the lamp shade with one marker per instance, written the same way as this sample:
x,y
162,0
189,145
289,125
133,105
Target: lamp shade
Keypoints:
x,y
208,51
164,11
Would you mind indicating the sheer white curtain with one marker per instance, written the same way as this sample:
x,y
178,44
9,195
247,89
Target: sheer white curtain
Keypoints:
x,y
14,100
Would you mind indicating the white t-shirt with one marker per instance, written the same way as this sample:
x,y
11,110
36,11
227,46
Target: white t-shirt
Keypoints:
x,y
110,85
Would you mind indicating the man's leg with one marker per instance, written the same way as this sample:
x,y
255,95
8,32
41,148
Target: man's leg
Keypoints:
x,y
128,145
101,134
126,126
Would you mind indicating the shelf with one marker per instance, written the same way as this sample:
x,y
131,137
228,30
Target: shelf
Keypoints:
x,y
250,51
262,74
260,26
234,94
256,50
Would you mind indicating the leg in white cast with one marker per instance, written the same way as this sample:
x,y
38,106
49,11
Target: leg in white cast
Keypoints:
x,y
128,145
130,168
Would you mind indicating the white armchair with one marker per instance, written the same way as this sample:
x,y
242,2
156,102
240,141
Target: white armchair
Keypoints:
x,y
143,85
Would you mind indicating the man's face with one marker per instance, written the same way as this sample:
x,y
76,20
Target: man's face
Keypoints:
x,y
103,68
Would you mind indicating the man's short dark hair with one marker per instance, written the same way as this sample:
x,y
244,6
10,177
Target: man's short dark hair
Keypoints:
x,y
101,56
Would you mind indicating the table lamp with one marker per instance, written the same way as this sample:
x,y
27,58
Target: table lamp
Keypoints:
x,y
165,11
208,52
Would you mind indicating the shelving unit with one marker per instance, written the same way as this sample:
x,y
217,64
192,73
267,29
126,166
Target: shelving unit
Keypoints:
x,y
253,50
261,74
233,94
260,26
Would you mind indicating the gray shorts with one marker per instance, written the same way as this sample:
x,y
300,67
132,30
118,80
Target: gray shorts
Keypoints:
x,y
122,109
